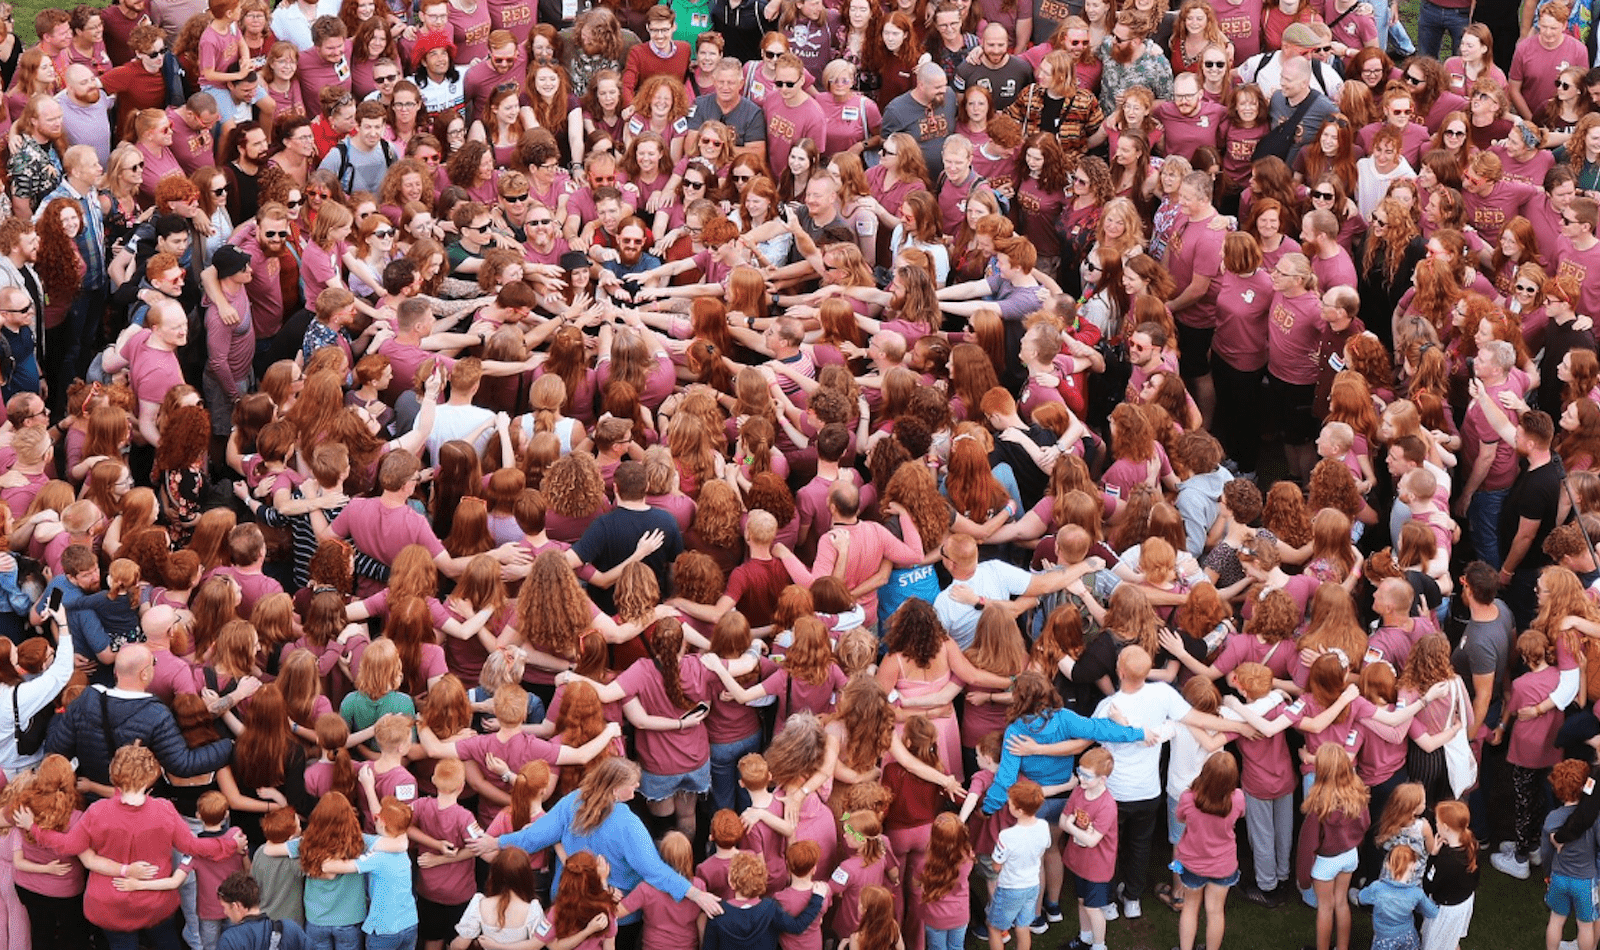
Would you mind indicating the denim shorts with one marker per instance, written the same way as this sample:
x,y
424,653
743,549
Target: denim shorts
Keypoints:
x,y
1012,907
1092,893
1051,810
1571,897
1329,868
1195,882
657,788
1174,826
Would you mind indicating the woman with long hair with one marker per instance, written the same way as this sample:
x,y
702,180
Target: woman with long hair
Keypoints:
x,y
61,270
1042,179
900,171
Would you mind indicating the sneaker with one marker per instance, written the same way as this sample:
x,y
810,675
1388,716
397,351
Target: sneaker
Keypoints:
x,y
1052,912
1132,910
1567,945
1040,924
1534,858
1509,865
1256,895
1078,944
1506,847
1110,910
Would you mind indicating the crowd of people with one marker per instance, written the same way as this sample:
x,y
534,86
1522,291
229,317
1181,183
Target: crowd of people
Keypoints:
x,y
780,474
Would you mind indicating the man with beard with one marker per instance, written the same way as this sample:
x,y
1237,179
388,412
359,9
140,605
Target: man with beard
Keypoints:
x,y
1131,59
996,70
1296,88
926,113
121,19
19,250
1529,512
1194,256
84,111
249,143
274,287
502,67
1190,121
543,245
631,257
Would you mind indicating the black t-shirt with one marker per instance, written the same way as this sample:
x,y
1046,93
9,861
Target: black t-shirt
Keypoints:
x,y
612,537
1559,339
1534,495
1031,479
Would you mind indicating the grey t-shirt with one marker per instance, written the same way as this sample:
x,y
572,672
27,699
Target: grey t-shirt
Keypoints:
x,y
1321,108
366,169
1486,647
748,122
1006,83
928,127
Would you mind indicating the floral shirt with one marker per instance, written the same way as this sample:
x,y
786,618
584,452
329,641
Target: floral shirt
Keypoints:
x,y
35,169
1151,70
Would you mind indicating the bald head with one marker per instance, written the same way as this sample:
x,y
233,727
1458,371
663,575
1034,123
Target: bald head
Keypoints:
x,y
1133,666
133,667
157,624
1393,596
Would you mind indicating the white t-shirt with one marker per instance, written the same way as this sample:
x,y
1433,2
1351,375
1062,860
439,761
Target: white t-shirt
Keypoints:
x,y
457,422
1137,776
991,580
1020,853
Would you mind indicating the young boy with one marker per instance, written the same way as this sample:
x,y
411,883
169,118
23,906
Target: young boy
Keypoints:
x,y
751,922
387,774
445,882
391,908
1018,861
1533,750
1267,778
1090,822
799,865
985,828
726,833
1336,441
1418,491
766,836
212,810
282,879
1572,869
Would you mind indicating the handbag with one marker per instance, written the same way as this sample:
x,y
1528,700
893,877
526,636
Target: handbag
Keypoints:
x,y
30,737
1460,764
1280,139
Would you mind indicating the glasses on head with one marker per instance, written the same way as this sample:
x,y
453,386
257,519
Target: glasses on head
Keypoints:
x,y
786,83
515,199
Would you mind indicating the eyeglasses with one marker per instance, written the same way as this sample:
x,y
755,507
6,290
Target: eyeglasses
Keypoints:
x,y
275,234
1324,195
1567,220
515,199
399,104
1415,80
319,195
786,83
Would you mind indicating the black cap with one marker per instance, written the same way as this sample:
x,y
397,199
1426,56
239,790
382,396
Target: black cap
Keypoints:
x,y
229,261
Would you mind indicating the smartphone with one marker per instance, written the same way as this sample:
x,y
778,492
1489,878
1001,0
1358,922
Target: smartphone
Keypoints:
x,y
699,709
55,599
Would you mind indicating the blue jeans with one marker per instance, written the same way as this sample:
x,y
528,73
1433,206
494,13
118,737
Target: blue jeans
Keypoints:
x,y
725,768
404,940
1393,29
1433,22
343,937
163,936
1483,518
1008,480
953,939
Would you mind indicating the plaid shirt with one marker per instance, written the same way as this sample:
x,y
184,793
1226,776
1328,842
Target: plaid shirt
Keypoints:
x,y
1079,119
1151,70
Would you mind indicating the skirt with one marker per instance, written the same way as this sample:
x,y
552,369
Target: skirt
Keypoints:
x,y
1449,928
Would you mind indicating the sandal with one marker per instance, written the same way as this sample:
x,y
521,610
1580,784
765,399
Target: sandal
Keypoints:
x,y
1166,895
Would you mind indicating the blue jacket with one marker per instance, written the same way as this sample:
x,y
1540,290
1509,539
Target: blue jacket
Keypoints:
x,y
1059,726
1393,905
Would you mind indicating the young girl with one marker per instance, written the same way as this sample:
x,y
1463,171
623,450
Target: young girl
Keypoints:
x,y
1336,821
1395,902
671,924
584,904
944,885
1206,858
333,770
1452,877
1403,826
870,864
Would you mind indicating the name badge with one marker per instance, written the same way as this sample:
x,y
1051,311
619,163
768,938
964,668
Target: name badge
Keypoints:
x,y
850,114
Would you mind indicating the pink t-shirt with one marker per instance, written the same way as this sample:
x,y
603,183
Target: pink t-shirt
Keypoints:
x,y
397,781
1207,846
319,268
673,752
517,752
381,531
1099,863
1266,773
1185,134
793,902
1347,733
1578,265
446,883
1294,325
847,122
317,74
471,33
714,871
669,924
254,586
1533,743
1195,250
153,372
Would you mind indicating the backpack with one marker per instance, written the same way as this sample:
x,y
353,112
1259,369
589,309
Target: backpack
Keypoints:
x,y
347,169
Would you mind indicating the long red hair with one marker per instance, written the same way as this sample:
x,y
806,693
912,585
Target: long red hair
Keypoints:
x,y
583,894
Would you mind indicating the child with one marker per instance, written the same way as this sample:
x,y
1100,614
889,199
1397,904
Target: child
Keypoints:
x,y
1191,748
333,770
1402,825
1207,859
749,921
768,832
1394,901
441,826
1533,749
726,833
1018,860
391,908
532,787
1336,441
1336,821
944,886
880,927
800,863
387,774
1090,820
668,924
870,864
212,810
1572,869
118,605
282,879
1267,779
1452,878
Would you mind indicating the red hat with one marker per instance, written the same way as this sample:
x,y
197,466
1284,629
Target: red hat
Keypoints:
x,y
431,40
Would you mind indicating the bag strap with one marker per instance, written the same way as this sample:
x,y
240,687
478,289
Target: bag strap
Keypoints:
x,y
105,727
1335,21
16,716
1298,113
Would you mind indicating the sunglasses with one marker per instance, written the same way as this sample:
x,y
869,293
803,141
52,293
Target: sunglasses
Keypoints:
x,y
743,177
515,199
383,234
136,168
540,222
274,234
319,195
1415,80
786,84
1455,133
1324,195
1214,64
155,53
1563,84
219,192
1525,289
296,203
389,78
771,53
477,228
690,183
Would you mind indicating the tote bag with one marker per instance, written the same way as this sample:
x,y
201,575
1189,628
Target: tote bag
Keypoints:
x,y
1459,761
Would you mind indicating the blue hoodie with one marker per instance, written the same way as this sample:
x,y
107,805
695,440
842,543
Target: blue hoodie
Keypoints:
x,y
1059,726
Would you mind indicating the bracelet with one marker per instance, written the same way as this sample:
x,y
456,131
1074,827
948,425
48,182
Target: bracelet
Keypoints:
x,y
123,872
